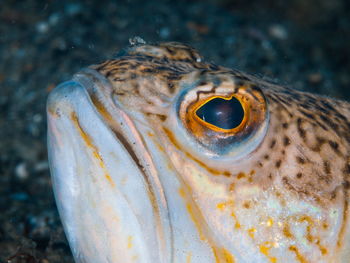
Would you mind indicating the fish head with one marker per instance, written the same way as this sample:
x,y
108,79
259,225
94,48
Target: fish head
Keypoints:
x,y
157,156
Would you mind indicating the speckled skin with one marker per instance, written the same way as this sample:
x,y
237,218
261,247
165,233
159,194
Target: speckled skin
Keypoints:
x,y
307,146
284,200
306,149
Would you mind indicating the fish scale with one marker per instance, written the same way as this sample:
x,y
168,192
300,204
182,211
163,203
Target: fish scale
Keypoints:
x,y
274,188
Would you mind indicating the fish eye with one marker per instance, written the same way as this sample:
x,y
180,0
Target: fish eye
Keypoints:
x,y
221,114
226,119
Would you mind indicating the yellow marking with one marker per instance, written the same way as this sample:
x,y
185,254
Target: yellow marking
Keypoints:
x,y
222,206
216,254
189,257
109,179
286,231
221,255
130,242
160,147
237,224
308,227
192,215
251,232
150,134
300,257
250,179
172,139
345,219
109,118
88,141
269,222
309,236
240,175
226,173
228,256
265,250
323,250
102,110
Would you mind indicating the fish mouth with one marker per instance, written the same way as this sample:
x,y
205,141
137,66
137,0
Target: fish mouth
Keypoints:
x,y
106,185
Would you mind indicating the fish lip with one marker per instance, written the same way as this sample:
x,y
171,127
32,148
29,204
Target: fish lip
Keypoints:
x,y
99,89
99,92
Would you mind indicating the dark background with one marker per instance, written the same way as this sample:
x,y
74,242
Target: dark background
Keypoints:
x,y
300,43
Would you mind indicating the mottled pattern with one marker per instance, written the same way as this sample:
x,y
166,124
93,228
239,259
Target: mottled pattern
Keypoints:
x,y
275,191
308,132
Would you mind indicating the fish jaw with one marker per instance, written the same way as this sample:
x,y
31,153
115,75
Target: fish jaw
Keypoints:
x,y
102,197
114,209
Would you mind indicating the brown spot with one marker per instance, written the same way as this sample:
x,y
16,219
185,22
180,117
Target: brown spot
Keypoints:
x,y
333,194
273,143
286,231
346,185
285,180
162,117
285,125
299,175
266,156
347,169
240,175
246,204
326,167
278,164
319,142
325,225
286,141
300,160
226,173
171,88
334,145
301,131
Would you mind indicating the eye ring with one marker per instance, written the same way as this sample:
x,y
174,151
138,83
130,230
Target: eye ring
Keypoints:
x,y
219,129
233,141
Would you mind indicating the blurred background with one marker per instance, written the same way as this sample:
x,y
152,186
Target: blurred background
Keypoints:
x,y
304,44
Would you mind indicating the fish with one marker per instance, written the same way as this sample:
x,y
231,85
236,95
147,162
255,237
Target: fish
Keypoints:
x,y
159,156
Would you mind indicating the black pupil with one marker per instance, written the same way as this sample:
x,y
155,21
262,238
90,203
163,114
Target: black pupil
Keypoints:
x,y
225,114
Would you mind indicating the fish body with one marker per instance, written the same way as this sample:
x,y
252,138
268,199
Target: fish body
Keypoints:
x,y
158,156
